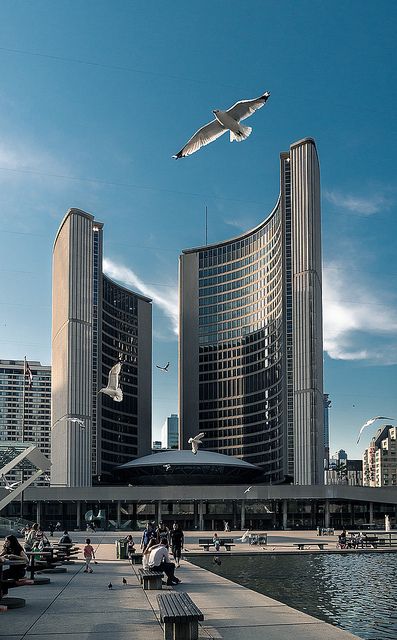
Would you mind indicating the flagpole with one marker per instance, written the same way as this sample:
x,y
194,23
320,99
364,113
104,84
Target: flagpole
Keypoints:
x,y
23,425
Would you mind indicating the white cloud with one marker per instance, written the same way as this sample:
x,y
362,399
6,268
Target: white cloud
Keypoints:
x,y
359,323
365,206
168,304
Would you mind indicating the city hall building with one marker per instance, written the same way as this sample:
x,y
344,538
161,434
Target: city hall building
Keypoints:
x,y
95,322
251,342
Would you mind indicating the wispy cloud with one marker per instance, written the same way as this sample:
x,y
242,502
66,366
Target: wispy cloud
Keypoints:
x,y
359,323
366,206
167,303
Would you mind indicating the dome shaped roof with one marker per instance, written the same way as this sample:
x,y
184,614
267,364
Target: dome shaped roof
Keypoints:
x,y
175,467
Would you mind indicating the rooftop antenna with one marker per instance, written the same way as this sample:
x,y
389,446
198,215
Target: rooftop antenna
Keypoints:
x,y
206,225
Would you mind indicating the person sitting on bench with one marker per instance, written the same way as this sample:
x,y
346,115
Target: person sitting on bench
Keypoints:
x,y
159,561
146,553
12,550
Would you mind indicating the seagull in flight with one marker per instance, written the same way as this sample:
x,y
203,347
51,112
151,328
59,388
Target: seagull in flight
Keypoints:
x,y
244,536
167,467
195,442
9,486
371,421
113,388
163,368
228,120
77,421
247,490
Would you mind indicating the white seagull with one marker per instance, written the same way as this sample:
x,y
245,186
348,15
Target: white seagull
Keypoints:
x,y
371,421
9,486
167,467
244,536
163,368
247,490
77,421
224,121
113,389
195,442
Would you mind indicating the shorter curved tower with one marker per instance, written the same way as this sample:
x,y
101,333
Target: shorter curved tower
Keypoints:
x,y
94,322
250,365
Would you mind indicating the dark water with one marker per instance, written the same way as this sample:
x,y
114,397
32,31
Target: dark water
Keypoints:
x,y
354,592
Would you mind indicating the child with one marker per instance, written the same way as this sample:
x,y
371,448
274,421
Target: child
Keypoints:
x,y
88,555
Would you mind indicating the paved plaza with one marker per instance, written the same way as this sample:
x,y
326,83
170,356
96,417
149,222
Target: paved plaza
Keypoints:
x,y
80,606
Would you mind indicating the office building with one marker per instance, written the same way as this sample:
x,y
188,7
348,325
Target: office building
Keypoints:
x,y
251,346
25,407
380,459
95,322
327,405
170,432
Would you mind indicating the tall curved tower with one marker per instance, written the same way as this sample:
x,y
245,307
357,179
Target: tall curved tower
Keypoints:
x,y
94,321
250,361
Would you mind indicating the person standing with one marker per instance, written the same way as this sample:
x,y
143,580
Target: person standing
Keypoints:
x,y
216,542
89,554
163,532
159,561
177,542
148,534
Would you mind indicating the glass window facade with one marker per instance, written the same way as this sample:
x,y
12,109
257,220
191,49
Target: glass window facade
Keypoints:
x,y
119,424
251,335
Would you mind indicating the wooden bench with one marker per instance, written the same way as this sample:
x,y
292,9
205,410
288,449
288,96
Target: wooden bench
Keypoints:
x,y
150,580
302,545
206,543
179,615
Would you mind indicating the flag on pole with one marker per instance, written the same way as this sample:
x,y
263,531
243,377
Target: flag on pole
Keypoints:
x,y
29,374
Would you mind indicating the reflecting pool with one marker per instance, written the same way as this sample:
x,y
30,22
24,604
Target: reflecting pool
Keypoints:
x,y
356,592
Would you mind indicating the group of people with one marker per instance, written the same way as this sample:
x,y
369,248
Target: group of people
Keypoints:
x,y
12,550
353,541
155,544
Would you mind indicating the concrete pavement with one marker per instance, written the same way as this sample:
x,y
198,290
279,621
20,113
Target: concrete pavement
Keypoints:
x,y
79,606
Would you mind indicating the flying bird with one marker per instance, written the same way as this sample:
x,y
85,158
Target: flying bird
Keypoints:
x,y
245,536
9,486
224,121
247,490
195,442
113,389
77,421
167,467
124,581
163,368
371,421
217,561
110,586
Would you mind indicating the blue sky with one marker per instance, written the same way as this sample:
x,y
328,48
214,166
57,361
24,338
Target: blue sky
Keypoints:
x,y
96,96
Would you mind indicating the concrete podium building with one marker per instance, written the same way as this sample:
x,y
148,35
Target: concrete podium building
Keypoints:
x,y
95,321
251,342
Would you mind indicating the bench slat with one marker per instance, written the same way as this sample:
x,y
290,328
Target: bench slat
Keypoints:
x,y
178,607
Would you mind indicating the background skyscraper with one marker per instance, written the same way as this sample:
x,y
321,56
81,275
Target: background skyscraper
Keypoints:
x,y
25,416
250,366
170,432
95,322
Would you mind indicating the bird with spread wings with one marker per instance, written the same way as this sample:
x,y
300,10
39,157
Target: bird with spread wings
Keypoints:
x,y
165,368
9,486
195,442
113,387
228,120
369,422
